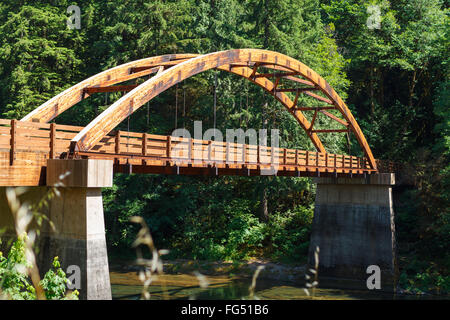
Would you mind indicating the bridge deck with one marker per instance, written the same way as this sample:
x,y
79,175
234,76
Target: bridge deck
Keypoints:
x,y
25,148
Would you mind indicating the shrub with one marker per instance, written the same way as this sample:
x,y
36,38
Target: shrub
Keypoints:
x,y
15,283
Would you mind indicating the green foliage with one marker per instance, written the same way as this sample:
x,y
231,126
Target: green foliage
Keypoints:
x,y
15,283
399,95
55,283
420,277
288,234
214,218
37,57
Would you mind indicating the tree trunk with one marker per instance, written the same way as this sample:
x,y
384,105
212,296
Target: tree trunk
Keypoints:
x,y
371,94
264,209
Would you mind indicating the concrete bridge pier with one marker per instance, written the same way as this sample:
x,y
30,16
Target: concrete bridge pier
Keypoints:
x,y
77,214
354,228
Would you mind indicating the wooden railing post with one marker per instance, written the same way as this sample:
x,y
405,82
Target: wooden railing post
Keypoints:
x,y
296,157
168,147
13,141
144,144
117,142
258,154
307,158
191,149
227,151
144,148
209,150
285,156
52,140
244,153
317,163
272,155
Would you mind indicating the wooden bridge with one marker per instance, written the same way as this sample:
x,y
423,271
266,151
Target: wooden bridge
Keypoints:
x,y
353,218
26,145
25,148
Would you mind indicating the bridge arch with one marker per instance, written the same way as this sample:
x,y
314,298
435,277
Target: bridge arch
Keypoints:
x,y
172,69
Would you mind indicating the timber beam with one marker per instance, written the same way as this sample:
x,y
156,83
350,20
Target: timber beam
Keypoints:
x,y
124,88
329,130
300,90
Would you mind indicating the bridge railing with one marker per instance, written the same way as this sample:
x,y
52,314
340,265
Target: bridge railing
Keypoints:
x,y
54,139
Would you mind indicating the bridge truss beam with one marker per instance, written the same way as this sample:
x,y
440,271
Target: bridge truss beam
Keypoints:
x,y
172,69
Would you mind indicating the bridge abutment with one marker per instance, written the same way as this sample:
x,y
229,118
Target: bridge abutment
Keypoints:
x,y
354,228
77,214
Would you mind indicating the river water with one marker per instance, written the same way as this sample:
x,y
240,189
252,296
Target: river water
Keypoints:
x,y
126,285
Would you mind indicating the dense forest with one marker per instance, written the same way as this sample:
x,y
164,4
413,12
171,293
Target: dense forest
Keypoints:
x,y
394,76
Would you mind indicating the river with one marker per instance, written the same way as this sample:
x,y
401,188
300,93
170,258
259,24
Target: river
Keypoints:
x,y
126,284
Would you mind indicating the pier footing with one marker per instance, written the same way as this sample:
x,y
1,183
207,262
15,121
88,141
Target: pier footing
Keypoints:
x,y
354,228
77,214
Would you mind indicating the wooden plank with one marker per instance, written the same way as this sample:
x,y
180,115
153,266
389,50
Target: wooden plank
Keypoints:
x,y
132,76
62,135
138,135
157,65
276,75
169,147
117,149
258,155
329,130
144,144
277,81
31,141
315,108
23,132
63,127
298,80
52,140
5,130
299,90
315,96
255,68
261,65
35,125
13,141
312,122
332,116
125,88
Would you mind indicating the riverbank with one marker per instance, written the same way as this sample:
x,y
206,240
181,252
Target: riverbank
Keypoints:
x,y
241,269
